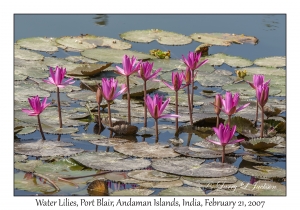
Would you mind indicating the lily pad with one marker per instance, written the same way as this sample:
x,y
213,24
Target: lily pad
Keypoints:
x,y
132,192
264,172
152,176
214,147
31,72
53,62
162,37
33,64
243,125
86,136
88,69
45,148
74,43
107,42
223,39
28,55
182,191
98,188
214,80
111,161
275,61
53,88
80,59
82,95
206,181
264,71
39,43
121,177
29,166
197,152
20,158
138,90
113,55
233,61
193,167
144,150
176,183
221,192
168,64
261,160
262,143
57,130
109,142
268,188
24,90
145,131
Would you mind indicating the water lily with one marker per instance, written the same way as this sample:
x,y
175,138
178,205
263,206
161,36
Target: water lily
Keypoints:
x,y
229,104
145,72
177,79
56,78
129,67
37,108
218,106
258,79
225,134
156,106
262,95
109,90
99,97
192,62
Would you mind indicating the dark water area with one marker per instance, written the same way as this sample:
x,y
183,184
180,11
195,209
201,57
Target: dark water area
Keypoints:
x,y
270,29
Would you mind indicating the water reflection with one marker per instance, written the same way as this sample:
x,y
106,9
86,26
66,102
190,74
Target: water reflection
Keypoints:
x,y
271,22
101,19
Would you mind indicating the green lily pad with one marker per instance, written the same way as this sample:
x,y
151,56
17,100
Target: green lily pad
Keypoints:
x,y
86,136
221,192
206,181
182,191
57,130
204,70
113,55
144,150
111,161
28,55
213,80
74,43
45,148
24,90
233,61
53,62
107,42
223,39
162,37
20,158
268,188
109,142
30,71
152,176
262,143
275,61
29,166
168,64
19,77
243,125
32,184
33,64
193,167
88,69
197,152
277,150
39,43
80,59
138,90
264,71
27,130
176,183
53,88
264,172
82,95
132,192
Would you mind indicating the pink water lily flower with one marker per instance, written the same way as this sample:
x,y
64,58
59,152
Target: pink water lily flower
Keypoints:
x,y
230,103
129,66
225,135
109,89
145,71
192,61
258,80
177,79
57,76
156,106
37,106
262,94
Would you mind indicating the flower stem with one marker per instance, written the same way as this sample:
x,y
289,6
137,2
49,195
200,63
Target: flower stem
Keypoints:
x,y
190,105
176,110
99,117
229,118
128,99
109,114
218,120
192,96
58,107
256,116
40,126
223,154
262,123
156,130
145,106
189,139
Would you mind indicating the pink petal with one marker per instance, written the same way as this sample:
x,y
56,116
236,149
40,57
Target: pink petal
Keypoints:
x,y
242,107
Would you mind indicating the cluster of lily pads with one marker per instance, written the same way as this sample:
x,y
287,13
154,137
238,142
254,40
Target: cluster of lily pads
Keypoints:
x,y
212,122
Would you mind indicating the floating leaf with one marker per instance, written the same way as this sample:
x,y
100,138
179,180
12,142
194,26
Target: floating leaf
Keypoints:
x,y
262,143
233,61
98,188
138,90
162,37
214,147
176,183
132,192
145,131
24,90
197,152
109,142
53,88
27,130
223,39
29,166
88,69
28,55
121,177
277,150
264,71
123,128
193,167
45,148
53,62
268,188
152,176
260,160
107,42
243,126
82,95
74,43
144,150
31,72
111,161
214,80
264,172
112,55
80,59
275,61
208,181
19,158
182,191
39,43
221,192
87,136
57,130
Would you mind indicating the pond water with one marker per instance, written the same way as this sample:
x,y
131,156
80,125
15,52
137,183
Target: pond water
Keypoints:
x,y
269,29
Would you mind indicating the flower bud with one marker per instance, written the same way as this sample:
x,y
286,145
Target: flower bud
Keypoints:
x,y
99,94
218,104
